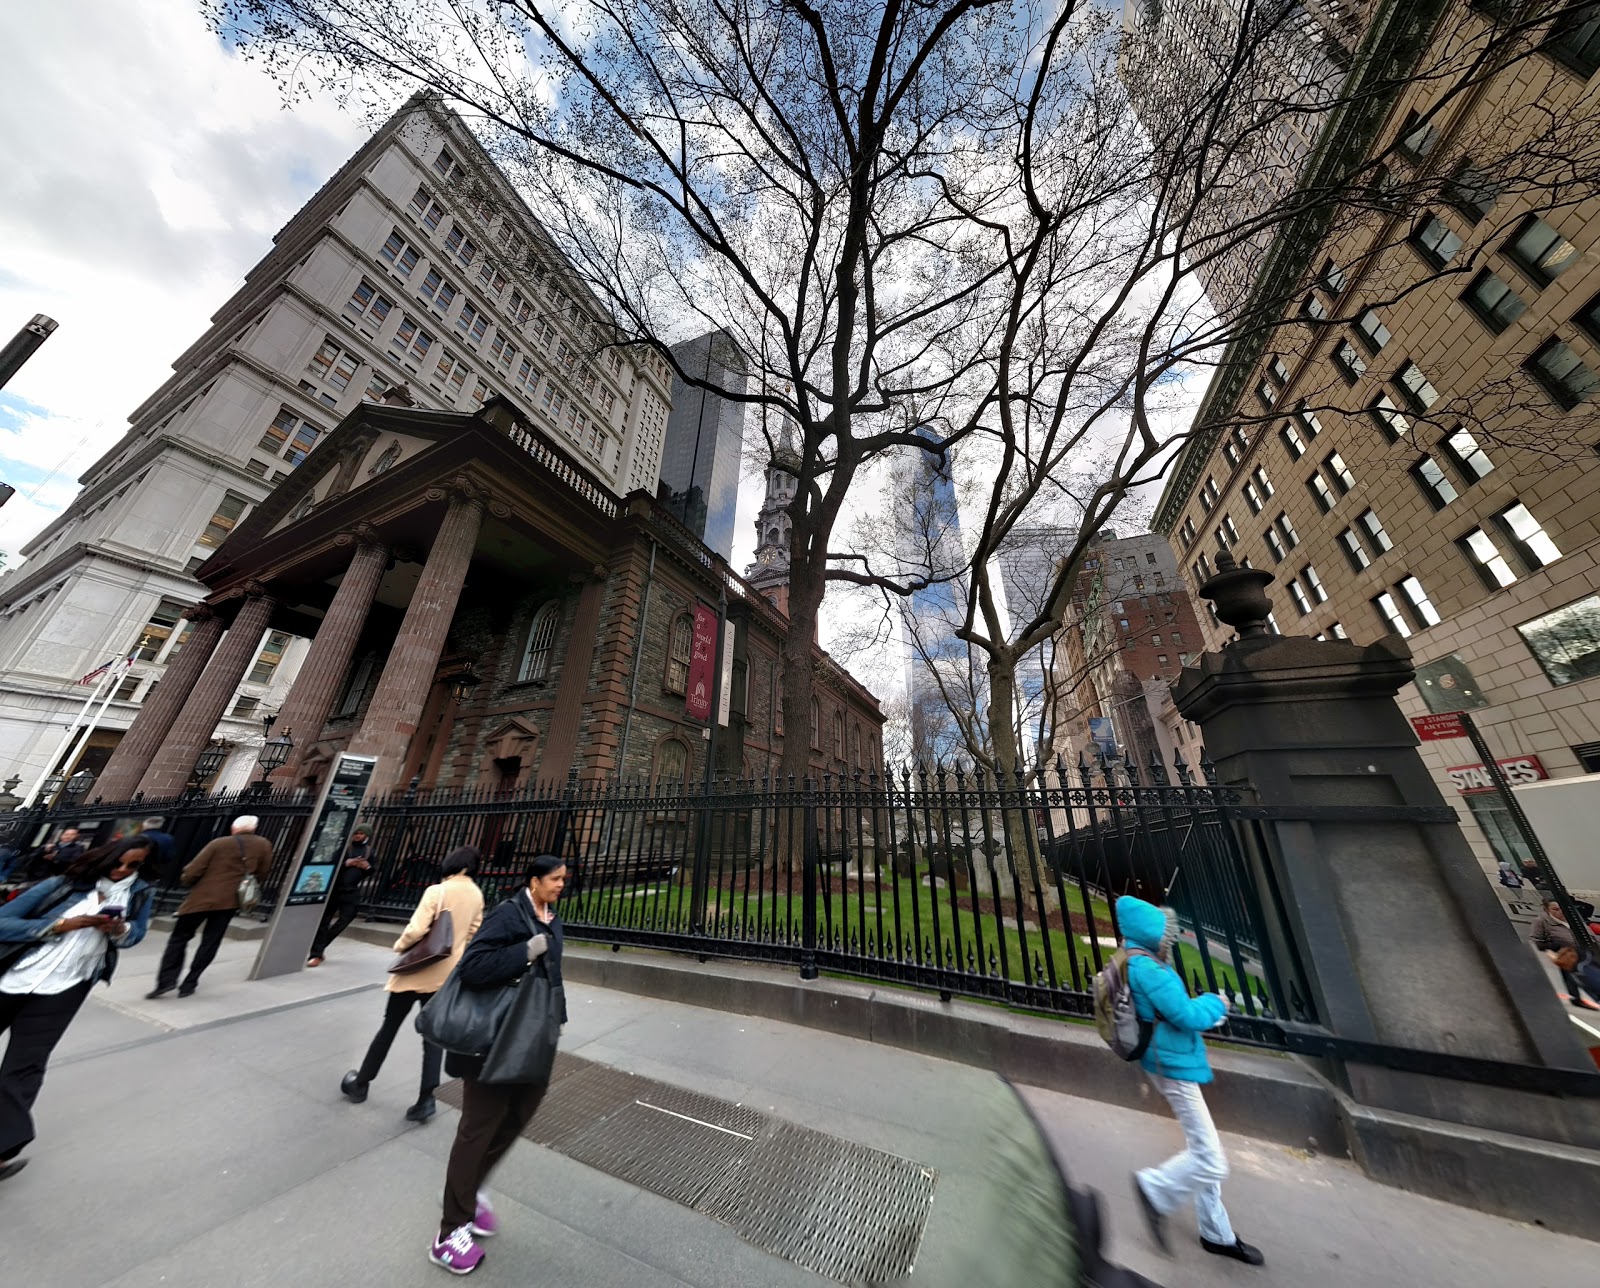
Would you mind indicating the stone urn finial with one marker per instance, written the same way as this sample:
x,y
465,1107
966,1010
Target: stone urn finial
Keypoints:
x,y
1240,596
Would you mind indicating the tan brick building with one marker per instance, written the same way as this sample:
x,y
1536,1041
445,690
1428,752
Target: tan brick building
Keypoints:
x,y
1418,453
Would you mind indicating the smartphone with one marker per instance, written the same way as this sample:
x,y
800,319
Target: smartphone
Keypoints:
x,y
112,910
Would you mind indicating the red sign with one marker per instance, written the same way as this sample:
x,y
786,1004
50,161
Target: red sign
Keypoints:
x,y
1517,769
697,698
1433,728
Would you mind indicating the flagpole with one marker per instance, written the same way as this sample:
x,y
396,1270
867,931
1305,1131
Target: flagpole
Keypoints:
x,y
113,681
66,739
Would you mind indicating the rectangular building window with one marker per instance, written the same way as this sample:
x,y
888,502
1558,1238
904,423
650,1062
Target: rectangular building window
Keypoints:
x,y
1417,388
1187,532
1291,538
1389,614
1252,498
1434,241
1352,366
1321,492
1421,607
399,253
1274,546
410,340
1495,303
1531,542
1228,530
1390,421
1292,442
155,633
267,660
1202,570
1331,279
1277,372
1566,642
1313,583
1354,551
1562,373
1434,483
1486,559
1575,40
226,518
1540,251
1470,460
1299,597
451,370
1372,332
305,438
1471,191
333,364
1368,519
367,304
1209,494
277,433
1308,420
1418,137
462,246
1337,632
1339,472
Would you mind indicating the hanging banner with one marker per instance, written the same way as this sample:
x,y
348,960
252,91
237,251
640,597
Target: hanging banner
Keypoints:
x,y
725,691
702,651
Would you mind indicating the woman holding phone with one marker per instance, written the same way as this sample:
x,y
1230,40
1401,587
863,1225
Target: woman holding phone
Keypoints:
x,y
56,941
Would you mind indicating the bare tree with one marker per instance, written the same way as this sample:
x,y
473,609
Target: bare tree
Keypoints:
x,y
933,225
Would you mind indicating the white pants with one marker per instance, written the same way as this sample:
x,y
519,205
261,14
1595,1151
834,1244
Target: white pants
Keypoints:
x,y
1196,1173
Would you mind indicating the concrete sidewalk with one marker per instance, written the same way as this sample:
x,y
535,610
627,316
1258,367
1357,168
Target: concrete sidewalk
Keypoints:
x,y
203,1142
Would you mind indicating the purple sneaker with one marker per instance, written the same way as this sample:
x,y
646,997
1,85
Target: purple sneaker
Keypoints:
x,y
485,1224
458,1254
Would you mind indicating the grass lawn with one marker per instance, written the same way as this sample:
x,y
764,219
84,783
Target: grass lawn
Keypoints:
x,y
931,922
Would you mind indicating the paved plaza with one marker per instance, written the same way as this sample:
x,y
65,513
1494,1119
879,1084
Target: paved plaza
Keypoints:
x,y
204,1142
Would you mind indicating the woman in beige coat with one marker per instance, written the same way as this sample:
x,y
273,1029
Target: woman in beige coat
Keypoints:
x,y
457,894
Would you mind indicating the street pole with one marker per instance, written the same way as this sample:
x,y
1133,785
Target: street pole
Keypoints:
x,y
1508,798
66,739
24,345
113,680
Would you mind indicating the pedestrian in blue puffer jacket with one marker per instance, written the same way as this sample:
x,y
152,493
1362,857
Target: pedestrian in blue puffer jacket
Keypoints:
x,y
1175,1061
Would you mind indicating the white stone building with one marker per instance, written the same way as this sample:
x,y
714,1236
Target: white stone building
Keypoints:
x,y
415,265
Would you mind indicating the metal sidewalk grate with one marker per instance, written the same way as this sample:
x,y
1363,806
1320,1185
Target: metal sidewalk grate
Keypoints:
x,y
853,1214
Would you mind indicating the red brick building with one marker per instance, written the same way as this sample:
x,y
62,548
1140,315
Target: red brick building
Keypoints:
x,y
482,612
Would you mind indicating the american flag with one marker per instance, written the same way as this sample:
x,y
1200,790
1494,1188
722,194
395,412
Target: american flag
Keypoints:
x,y
100,670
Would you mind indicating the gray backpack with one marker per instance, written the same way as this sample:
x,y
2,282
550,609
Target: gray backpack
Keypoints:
x,y
1114,1012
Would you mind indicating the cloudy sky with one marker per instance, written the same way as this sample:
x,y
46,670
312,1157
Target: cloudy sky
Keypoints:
x,y
147,169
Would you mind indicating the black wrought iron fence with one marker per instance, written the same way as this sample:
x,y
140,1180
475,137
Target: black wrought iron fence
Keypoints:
x,y
947,880
191,820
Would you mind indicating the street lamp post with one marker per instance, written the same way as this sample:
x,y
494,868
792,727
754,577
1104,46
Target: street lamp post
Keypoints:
x,y
274,754
206,767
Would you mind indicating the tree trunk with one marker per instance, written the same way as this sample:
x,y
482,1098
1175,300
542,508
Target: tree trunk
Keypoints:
x,y
1021,835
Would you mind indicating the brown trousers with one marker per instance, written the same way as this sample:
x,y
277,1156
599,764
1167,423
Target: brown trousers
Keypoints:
x,y
492,1117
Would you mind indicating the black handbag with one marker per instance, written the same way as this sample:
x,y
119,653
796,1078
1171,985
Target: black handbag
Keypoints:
x,y
435,946
465,1020
524,1050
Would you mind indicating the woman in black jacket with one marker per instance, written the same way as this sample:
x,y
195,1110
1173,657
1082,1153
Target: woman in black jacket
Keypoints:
x,y
494,1114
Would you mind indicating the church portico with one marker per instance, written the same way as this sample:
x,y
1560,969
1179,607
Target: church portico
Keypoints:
x,y
480,613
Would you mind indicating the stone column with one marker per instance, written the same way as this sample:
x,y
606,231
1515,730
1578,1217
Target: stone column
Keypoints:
x,y
120,778
311,698
561,747
208,699
1365,877
402,692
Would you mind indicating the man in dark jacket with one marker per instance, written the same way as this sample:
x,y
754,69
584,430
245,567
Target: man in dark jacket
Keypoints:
x,y
345,901
1551,935
165,868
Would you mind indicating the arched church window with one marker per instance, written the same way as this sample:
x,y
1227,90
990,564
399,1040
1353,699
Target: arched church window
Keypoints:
x,y
672,764
838,736
679,646
541,643
816,725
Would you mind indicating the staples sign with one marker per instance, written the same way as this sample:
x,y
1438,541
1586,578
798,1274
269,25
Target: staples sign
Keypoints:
x,y
1517,769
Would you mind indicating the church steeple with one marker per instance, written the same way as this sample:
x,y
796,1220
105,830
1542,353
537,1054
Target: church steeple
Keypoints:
x,y
770,572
